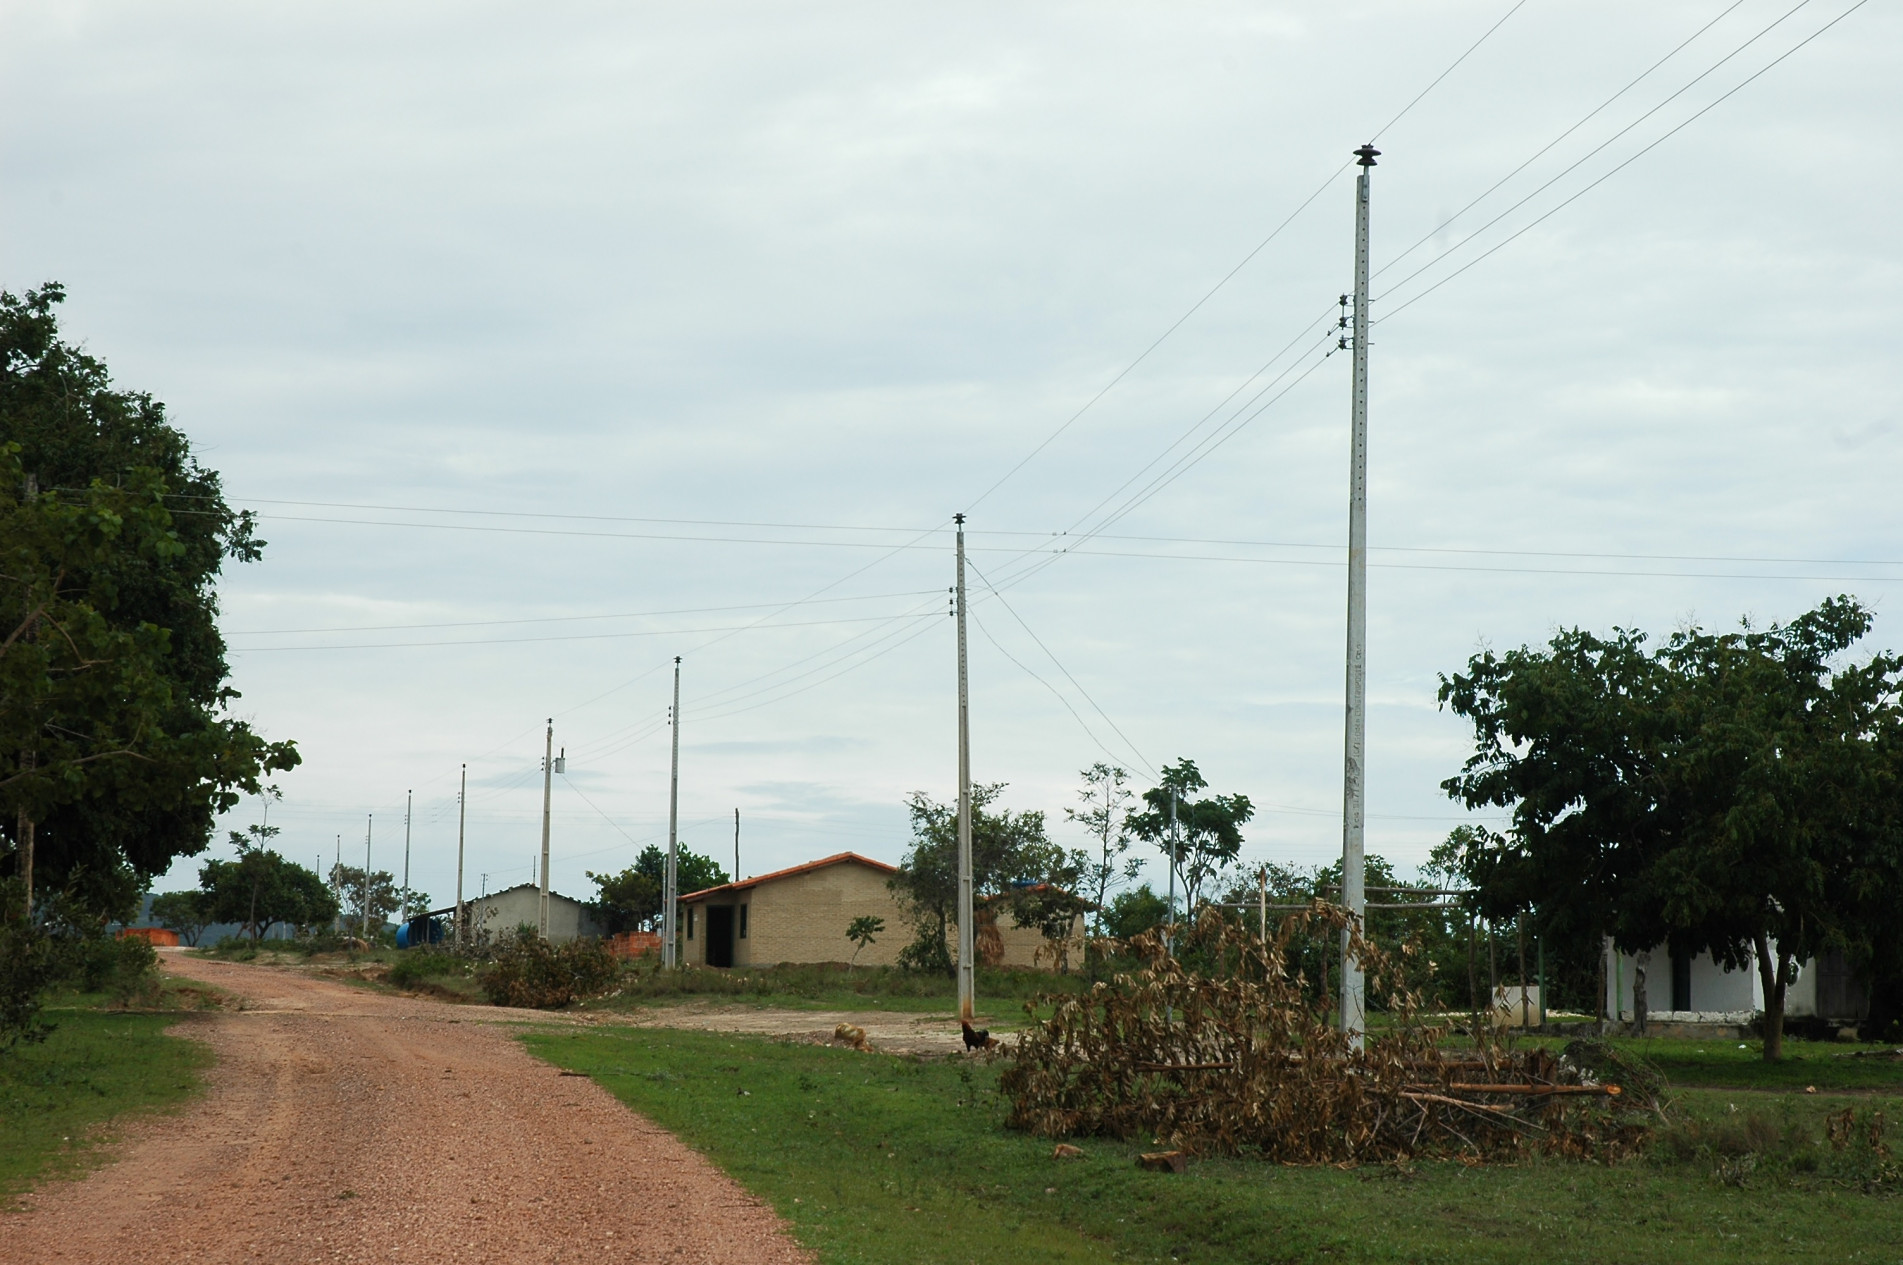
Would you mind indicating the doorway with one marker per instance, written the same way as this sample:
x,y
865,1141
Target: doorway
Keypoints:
x,y
720,935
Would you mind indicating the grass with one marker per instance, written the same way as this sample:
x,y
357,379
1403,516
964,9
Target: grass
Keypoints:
x,y
58,1099
831,986
873,1158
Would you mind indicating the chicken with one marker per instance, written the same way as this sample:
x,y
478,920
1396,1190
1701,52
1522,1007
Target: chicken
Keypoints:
x,y
978,1038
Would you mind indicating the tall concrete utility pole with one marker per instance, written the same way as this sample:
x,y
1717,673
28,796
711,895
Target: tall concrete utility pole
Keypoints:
x,y
670,888
967,961
337,886
548,782
736,845
369,821
462,819
409,802
1354,806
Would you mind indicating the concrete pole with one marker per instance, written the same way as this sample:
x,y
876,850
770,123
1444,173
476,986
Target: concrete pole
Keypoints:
x,y
967,938
736,845
1170,935
462,819
409,802
548,783
369,822
670,887
1354,792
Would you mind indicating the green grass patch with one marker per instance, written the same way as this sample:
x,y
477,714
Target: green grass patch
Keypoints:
x,y
876,1159
58,1097
832,986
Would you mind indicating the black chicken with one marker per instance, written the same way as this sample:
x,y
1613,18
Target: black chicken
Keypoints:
x,y
978,1038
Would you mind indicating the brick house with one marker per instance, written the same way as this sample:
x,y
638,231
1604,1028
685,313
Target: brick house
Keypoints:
x,y
800,915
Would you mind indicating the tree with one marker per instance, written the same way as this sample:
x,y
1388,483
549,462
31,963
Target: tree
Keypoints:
x,y
631,899
183,912
861,931
1713,794
261,889
1106,816
160,531
1010,856
1134,912
381,897
1209,831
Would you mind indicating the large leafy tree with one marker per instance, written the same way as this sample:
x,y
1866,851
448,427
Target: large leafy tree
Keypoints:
x,y
260,889
630,900
1012,860
122,753
1207,833
1721,793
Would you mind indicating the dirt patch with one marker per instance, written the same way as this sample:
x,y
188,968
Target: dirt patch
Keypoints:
x,y
343,1124
887,1032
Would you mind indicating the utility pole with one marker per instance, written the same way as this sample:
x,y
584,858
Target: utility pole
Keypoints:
x,y
736,845
1354,791
409,801
548,781
462,818
369,821
670,892
967,962
1170,936
337,887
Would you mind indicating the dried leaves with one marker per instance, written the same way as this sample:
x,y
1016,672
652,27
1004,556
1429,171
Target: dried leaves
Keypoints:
x,y
1237,1056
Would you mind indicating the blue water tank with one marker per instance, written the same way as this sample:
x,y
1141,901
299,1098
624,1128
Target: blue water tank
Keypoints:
x,y
419,930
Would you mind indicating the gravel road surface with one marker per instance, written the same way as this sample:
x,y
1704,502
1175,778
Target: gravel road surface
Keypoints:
x,y
346,1125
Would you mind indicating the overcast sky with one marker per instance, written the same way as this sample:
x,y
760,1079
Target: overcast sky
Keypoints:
x,y
552,341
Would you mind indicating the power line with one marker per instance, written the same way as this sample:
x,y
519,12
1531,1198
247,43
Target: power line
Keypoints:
x,y
1450,70
516,641
554,619
1522,231
1544,149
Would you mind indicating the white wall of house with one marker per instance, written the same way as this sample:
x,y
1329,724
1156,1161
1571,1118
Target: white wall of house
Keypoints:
x,y
500,913
1716,993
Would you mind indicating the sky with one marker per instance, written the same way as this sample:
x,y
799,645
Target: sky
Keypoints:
x,y
550,342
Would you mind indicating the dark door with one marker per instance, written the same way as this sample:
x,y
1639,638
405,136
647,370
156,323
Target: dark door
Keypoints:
x,y
720,935
1681,979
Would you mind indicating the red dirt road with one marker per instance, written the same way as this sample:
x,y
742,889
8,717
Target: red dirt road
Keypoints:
x,y
345,1125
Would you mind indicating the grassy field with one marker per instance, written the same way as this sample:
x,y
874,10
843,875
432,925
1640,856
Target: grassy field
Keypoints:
x,y
59,1099
876,1159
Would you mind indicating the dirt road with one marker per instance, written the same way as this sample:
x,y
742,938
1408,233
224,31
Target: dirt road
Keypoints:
x,y
345,1125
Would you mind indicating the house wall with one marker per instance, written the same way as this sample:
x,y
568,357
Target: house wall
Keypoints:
x,y
1715,990
803,918
1025,947
501,913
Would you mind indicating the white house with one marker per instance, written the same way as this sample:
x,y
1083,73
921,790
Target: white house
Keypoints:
x,y
1694,988
500,913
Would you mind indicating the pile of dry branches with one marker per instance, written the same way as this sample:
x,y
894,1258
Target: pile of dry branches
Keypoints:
x,y
1242,1055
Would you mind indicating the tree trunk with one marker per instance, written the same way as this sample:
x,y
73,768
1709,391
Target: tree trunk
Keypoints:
x,y
1775,978
1639,1001
25,832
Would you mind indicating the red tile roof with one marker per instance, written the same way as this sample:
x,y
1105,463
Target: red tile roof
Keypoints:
x,y
838,858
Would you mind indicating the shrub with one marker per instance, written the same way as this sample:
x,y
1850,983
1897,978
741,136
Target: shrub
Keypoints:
x,y
421,964
533,972
29,965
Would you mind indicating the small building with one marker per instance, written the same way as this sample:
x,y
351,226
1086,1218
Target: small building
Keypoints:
x,y
498,914
800,915
1695,988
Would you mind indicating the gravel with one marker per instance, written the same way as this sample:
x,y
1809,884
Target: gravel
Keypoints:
x,y
345,1125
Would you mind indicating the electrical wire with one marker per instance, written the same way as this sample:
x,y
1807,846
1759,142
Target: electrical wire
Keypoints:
x,y
1383,129
1544,149
606,636
1522,231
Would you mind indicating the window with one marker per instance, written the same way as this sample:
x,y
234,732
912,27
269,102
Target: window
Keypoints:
x,y
690,922
743,922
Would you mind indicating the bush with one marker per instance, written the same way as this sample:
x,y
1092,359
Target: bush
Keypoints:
x,y
421,964
126,969
533,972
30,963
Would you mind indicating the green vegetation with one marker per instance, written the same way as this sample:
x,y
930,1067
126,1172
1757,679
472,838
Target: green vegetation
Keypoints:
x,y
631,900
831,986
875,1159
96,1068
